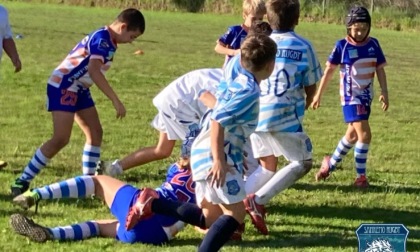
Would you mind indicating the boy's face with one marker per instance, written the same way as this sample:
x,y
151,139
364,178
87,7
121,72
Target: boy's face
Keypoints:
x,y
359,31
251,17
125,36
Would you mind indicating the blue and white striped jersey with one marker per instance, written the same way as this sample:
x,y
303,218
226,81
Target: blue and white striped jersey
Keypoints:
x,y
282,100
237,112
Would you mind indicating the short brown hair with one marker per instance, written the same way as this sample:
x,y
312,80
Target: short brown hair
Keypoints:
x,y
283,14
134,20
257,51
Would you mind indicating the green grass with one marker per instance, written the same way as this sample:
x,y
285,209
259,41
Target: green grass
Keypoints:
x,y
308,217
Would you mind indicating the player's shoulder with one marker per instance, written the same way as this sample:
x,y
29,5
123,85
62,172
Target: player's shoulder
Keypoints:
x,y
340,43
100,33
234,28
300,41
374,41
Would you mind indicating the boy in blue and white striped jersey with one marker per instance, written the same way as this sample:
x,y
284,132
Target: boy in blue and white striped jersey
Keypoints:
x,y
284,97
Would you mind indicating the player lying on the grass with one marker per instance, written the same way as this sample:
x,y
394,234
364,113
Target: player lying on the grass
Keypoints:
x,y
216,156
179,112
119,197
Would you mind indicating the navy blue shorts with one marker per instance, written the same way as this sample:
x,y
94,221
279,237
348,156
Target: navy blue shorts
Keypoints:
x,y
356,113
148,231
65,100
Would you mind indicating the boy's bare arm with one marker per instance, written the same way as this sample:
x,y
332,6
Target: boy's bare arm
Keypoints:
x,y
325,80
207,99
310,93
383,98
94,69
9,47
222,49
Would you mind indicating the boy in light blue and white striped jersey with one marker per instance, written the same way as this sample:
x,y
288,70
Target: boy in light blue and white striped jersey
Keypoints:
x,y
284,97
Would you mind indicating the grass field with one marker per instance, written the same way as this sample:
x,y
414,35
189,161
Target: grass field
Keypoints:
x,y
308,217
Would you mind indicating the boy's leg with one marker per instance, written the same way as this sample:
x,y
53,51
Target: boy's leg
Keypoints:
x,y
88,121
62,125
145,155
230,199
3,164
103,187
27,227
330,163
223,228
361,151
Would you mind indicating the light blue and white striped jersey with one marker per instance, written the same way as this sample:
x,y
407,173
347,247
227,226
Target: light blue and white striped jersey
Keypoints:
x,y
237,112
282,100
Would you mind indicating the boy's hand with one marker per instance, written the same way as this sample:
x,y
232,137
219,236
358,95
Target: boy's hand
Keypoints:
x,y
383,99
17,64
316,102
218,174
119,108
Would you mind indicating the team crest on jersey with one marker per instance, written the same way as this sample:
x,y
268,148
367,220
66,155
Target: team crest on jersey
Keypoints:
x,y
371,51
382,237
233,187
353,54
110,55
228,95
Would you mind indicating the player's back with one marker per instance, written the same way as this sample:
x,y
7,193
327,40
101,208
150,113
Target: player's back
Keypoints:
x,y
296,66
178,185
282,101
182,94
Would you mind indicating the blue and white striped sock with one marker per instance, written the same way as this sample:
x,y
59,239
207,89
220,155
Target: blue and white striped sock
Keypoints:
x,y
90,157
343,147
78,187
34,166
76,232
360,156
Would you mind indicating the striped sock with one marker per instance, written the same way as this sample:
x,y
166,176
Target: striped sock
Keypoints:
x,y
76,232
78,187
34,166
360,156
342,149
90,157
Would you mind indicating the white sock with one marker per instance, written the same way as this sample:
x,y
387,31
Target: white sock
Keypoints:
x,y
257,179
283,179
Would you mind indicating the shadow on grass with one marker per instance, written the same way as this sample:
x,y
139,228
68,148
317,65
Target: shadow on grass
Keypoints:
x,y
351,188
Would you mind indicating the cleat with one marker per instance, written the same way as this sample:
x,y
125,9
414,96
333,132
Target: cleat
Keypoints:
x,y
27,200
237,235
27,227
324,171
142,208
257,213
2,164
108,168
19,187
361,182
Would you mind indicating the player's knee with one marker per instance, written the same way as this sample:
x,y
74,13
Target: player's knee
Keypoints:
x,y
302,167
162,153
307,165
60,142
